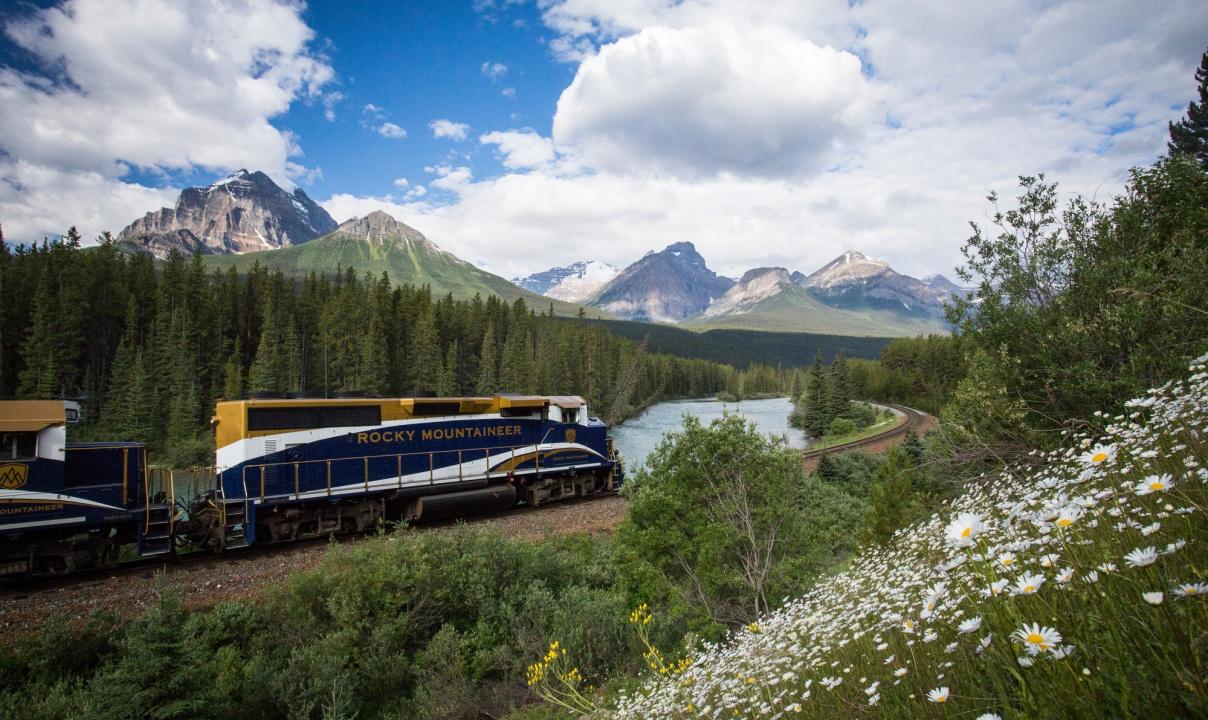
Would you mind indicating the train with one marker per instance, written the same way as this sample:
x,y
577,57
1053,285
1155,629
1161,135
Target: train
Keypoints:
x,y
286,469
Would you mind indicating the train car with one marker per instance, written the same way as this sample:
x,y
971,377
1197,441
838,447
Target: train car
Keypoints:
x,y
68,506
292,468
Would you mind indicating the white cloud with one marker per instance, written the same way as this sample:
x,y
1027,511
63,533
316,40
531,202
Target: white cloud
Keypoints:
x,y
392,131
452,179
449,129
401,182
494,70
946,103
697,102
521,148
509,92
140,83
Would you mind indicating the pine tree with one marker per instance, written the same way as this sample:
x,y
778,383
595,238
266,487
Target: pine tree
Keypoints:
x,y
39,354
232,373
1189,136
488,383
267,374
815,399
448,386
425,353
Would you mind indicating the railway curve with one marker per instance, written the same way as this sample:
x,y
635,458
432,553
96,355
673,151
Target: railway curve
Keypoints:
x,y
915,420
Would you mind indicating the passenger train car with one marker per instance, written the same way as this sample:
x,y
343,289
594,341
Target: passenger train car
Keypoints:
x,y
287,469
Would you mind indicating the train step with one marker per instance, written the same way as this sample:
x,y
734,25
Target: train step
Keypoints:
x,y
235,530
155,537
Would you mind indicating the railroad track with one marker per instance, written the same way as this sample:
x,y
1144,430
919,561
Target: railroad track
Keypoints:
x,y
149,566
913,419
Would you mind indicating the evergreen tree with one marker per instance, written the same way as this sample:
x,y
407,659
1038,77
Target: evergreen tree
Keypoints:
x,y
1189,136
232,373
267,374
426,361
448,386
488,383
39,353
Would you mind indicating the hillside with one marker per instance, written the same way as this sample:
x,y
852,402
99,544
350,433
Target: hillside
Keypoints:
x,y
795,309
741,348
378,243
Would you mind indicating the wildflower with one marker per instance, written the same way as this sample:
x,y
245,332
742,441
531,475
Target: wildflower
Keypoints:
x,y
1142,557
1062,652
1065,575
970,625
900,672
1026,662
1037,639
938,695
1192,589
1153,598
1068,516
1098,455
1153,484
996,587
989,716
872,689
964,529
1091,577
874,699
831,682
1007,559
1174,546
1028,584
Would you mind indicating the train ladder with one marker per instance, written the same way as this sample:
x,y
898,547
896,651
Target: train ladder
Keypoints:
x,y
159,510
234,519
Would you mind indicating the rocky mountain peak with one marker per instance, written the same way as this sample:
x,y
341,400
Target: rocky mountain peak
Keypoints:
x,y
572,283
851,266
755,285
666,286
380,227
244,212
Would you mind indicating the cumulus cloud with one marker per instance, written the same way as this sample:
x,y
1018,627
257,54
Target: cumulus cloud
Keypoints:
x,y
148,100
697,102
520,148
402,182
392,131
449,129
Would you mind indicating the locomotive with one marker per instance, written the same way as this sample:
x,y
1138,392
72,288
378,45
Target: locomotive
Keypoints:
x,y
287,469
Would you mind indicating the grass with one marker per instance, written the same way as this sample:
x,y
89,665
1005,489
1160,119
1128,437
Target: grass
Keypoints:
x,y
826,441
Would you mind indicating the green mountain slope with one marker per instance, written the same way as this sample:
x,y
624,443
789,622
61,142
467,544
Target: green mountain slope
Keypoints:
x,y
795,310
378,243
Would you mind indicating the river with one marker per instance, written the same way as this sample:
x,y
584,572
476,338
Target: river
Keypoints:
x,y
637,437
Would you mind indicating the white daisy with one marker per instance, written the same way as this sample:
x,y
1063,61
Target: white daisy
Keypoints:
x,y
1037,639
970,625
1098,455
1192,589
1028,584
938,695
962,531
1142,557
1153,484
1153,598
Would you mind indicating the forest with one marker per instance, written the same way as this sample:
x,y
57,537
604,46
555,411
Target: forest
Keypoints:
x,y
147,348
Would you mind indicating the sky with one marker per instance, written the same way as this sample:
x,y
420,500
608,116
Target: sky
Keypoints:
x,y
522,135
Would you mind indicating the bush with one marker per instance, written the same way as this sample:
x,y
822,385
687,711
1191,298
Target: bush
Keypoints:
x,y
841,426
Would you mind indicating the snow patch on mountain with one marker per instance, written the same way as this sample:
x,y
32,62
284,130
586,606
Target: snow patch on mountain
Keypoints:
x,y
573,283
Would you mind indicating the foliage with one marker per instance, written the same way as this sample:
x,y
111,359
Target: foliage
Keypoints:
x,y
439,624
1078,309
722,524
1189,136
1075,589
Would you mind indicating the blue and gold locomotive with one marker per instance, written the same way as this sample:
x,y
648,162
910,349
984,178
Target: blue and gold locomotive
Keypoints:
x,y
287,469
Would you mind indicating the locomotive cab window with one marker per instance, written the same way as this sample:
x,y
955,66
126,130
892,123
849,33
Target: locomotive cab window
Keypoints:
x,y
570,415
18,445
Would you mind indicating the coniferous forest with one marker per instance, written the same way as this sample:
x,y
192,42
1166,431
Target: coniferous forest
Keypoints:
x,y
147,348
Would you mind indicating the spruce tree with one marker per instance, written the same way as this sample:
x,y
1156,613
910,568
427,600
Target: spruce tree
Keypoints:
x,y
487,384
39,352
448,386
1189,136
426,361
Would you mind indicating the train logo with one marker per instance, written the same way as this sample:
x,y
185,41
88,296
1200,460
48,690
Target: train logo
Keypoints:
x,y
13,475
570,435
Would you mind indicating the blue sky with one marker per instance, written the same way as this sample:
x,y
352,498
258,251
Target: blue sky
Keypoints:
x,y
777,133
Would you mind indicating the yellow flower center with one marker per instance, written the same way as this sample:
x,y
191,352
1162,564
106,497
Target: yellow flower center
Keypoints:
x,y
1065,522
1007,561
966,532
1029,588
941,698
1192,591
1036,638
1157,485
1098,457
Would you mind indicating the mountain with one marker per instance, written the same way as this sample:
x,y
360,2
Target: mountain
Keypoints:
x,y
243,213
573,283
855,281
665,286
378,243
853,295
